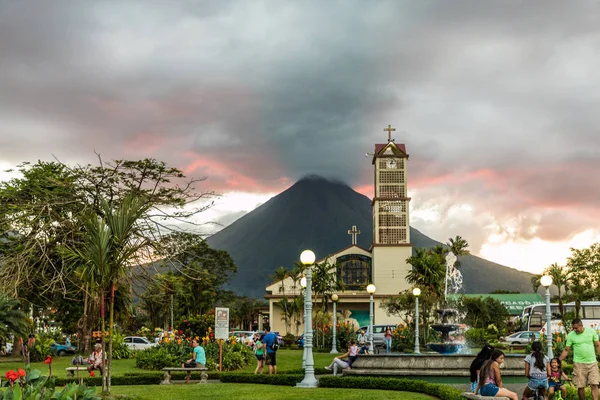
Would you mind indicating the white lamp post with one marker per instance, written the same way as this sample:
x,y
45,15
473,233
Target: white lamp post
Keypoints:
x,y
308,259
546,282
371,290
417,293
334,298
303,284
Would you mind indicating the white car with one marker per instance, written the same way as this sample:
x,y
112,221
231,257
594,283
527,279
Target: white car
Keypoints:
x,y
137,343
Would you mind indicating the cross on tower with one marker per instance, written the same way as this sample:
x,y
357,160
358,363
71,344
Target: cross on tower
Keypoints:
x,y
389,130
354,232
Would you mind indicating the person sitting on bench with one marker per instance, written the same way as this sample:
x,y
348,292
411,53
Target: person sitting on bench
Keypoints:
x,y
198,360
96,360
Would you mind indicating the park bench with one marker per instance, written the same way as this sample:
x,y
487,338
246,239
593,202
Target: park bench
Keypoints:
x,y
168,370
472,396
71,370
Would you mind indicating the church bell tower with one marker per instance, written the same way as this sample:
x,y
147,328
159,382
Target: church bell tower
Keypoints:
x,y
391,229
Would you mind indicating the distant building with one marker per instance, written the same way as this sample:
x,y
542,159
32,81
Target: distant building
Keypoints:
x,y
383,264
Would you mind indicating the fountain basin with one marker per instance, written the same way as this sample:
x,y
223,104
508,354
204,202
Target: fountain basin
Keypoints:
x,y
446,348
426,365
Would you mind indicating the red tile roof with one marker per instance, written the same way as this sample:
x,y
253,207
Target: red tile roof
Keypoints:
x,y
380,146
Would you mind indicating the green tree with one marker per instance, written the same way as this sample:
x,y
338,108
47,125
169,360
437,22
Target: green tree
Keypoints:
x,y
583,271
428,270
279,276
481,312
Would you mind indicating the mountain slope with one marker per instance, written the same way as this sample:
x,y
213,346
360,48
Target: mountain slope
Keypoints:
x,y
316,213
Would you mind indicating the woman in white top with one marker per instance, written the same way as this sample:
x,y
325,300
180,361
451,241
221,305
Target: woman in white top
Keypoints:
x,y
351,354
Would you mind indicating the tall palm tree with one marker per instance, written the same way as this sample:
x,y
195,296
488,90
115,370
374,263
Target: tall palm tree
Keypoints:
x,y
459,247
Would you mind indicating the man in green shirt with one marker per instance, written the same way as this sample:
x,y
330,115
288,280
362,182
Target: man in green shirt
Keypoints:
x,y
585,344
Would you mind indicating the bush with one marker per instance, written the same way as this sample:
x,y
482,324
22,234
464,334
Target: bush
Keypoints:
x,y
289,340
401,384
41,349
119,350
280,379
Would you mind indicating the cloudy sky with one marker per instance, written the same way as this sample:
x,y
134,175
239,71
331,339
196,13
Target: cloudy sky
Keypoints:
x,y
498,103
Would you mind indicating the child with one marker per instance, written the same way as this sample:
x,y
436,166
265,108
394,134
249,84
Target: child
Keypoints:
x,y
490,379
555,376
536,369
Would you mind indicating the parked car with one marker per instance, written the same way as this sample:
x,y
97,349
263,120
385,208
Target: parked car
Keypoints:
x,y
62,349
240,334
522,337
378,333
137,343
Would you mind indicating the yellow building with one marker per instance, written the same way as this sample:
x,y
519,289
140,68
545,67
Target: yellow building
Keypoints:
x,y
383,264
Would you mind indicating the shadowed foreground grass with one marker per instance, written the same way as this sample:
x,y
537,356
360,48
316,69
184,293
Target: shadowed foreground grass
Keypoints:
x,y
262,392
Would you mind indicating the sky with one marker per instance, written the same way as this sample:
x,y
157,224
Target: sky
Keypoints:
x,y
497,102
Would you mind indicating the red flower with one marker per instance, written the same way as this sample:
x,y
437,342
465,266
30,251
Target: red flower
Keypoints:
x,y
12,375
22,372
48,360
92,374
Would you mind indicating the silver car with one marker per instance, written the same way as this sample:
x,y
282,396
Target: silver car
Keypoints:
x,y
137,343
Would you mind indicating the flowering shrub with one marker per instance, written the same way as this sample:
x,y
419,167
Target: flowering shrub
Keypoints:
x,y
323,335
175,352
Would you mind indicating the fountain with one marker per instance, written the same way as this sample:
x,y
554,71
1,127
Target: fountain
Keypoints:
x,y
454,278
446,346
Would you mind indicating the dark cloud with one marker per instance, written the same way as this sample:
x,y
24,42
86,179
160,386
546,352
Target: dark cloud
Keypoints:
x,y
496,101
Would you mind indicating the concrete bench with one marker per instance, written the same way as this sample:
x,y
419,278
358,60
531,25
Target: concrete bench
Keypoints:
x,y
167,376
517,346
472,396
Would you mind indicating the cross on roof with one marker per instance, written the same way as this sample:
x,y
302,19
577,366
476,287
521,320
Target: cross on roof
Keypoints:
x,y
354,232
389,130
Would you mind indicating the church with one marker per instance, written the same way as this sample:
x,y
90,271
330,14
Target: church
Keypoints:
x,y
383,264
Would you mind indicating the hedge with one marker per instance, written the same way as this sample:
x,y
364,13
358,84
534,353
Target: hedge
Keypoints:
x,y
141,379
444,392
279,379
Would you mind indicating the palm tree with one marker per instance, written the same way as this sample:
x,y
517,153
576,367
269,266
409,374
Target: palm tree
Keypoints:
x,y
12,318
459,247
280,274
295,274
324,282
536,282
287,312
110,244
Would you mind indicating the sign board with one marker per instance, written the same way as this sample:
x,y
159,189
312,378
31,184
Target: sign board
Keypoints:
x,y
221,323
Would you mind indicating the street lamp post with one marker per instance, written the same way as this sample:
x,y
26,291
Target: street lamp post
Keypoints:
x,y
334,298
308,258
371,290
546,282
417,293
303,284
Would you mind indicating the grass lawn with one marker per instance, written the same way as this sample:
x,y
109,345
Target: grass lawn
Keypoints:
x,y
262,392
287,360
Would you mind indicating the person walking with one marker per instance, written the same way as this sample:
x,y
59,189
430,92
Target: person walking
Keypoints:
x,y
490,378
585,345
271,345
388,339
259,352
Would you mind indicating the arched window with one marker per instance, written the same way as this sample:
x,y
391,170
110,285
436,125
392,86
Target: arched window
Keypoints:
x,y
354,271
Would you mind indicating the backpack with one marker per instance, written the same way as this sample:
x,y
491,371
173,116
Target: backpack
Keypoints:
x,y
275,345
